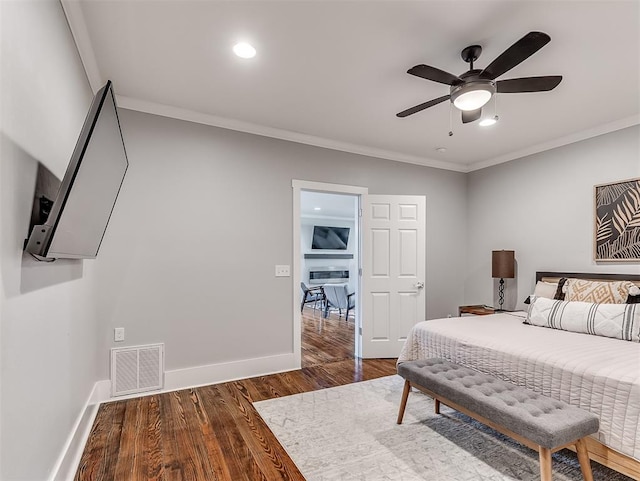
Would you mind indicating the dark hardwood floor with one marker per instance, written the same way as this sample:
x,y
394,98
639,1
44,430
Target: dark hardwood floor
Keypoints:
x,y
326,340
213,432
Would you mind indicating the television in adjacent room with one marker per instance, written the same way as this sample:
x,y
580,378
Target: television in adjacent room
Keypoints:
x,y
326,237
73,225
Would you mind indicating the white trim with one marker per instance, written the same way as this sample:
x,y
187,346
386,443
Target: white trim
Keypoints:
x,y
101,391
78,26
67,463
552,144
228,371
206,375
297,187
326,187
257,129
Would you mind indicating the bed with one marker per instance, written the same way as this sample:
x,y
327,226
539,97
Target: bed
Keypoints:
x,y
599,374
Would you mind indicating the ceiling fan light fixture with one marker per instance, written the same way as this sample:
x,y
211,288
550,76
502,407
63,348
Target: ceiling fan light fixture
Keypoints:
x,y
472,95
488,121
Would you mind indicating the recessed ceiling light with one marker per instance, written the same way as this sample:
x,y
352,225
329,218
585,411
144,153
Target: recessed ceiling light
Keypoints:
x,y
244,50
317,208
441,150
489,121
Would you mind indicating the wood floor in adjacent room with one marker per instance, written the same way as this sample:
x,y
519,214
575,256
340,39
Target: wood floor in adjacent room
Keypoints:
x,y
213,432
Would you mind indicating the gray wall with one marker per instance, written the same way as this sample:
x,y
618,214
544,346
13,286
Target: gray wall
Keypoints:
x,y
542,207
48,327
204,215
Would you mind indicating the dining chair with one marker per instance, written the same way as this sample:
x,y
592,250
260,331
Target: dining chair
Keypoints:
x,y
311,294
337,297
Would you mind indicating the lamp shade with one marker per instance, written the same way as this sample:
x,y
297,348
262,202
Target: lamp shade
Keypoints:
x,y
503,264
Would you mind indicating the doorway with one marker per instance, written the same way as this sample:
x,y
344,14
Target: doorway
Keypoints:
x,y
329,243
327,253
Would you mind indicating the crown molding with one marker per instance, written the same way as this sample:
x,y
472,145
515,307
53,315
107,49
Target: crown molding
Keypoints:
x,y
559,142
257,129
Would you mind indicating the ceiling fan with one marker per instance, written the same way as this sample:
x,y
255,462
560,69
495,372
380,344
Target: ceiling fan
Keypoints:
x,y
473,89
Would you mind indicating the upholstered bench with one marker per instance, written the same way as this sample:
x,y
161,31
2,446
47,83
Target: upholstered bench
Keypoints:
x,y
537,421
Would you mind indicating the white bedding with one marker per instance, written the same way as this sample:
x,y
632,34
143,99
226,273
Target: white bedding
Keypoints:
x,y
599,374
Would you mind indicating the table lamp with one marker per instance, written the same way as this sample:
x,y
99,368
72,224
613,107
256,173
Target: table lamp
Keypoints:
x,y
502,266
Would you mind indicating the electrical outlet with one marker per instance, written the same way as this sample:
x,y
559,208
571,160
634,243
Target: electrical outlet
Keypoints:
x,y
283,271
118,334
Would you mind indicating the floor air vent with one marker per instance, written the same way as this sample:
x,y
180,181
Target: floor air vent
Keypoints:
x,y
137,369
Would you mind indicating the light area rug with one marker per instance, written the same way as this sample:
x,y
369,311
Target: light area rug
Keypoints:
x,y
349,433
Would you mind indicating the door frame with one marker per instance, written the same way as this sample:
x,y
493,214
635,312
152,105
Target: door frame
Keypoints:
x,y
297,187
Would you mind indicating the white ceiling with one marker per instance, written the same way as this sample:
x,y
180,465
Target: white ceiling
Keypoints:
x,y
331,206
333,73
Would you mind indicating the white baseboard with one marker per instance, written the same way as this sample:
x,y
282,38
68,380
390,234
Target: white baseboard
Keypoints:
x,y
67,464
228,371
208,374
69,459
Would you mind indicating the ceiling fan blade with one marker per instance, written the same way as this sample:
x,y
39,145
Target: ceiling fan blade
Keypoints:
x,y
423,106
518,52
471,115
528,84
435,74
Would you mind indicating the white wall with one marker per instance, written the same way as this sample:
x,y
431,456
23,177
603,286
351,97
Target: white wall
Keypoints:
x,y
48,328
542,207
205,214
306,237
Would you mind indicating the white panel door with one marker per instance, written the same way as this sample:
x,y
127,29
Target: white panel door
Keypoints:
x,y
393,271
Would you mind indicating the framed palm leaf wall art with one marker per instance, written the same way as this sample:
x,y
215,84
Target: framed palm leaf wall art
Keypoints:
x,y
617,229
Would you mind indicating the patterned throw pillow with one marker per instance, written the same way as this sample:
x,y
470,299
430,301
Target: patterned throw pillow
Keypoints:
x,y
601,292
620,321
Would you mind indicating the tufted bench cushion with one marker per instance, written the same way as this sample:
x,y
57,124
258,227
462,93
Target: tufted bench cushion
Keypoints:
x,y
546,422
535,420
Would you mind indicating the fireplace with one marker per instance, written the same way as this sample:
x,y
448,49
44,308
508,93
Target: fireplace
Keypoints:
x,y
327,275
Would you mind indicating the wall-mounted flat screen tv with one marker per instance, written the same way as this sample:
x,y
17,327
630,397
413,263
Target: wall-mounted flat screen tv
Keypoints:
x,y
330,237
78,218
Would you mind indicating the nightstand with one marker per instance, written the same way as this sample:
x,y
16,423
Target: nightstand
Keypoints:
x,y
477,310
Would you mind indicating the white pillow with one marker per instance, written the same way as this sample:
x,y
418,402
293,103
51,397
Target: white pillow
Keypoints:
x,y
621,321
546,289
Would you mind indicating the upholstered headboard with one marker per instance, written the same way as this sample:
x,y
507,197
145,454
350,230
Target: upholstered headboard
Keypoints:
x,y
555,276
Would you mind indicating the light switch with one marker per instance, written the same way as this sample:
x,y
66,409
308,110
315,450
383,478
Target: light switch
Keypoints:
x,y
118,334
282,271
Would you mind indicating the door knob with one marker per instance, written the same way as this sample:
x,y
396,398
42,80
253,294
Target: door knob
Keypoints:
x,y
420,285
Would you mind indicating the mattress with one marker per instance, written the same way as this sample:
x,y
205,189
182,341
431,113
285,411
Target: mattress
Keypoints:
x,y
598,374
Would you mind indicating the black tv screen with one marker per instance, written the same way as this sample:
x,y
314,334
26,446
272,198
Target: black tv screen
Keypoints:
x,y
330,237
78,217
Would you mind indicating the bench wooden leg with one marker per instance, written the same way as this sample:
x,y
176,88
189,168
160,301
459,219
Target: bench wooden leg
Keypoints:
x,y
403,402
436,404
583,457
545,463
